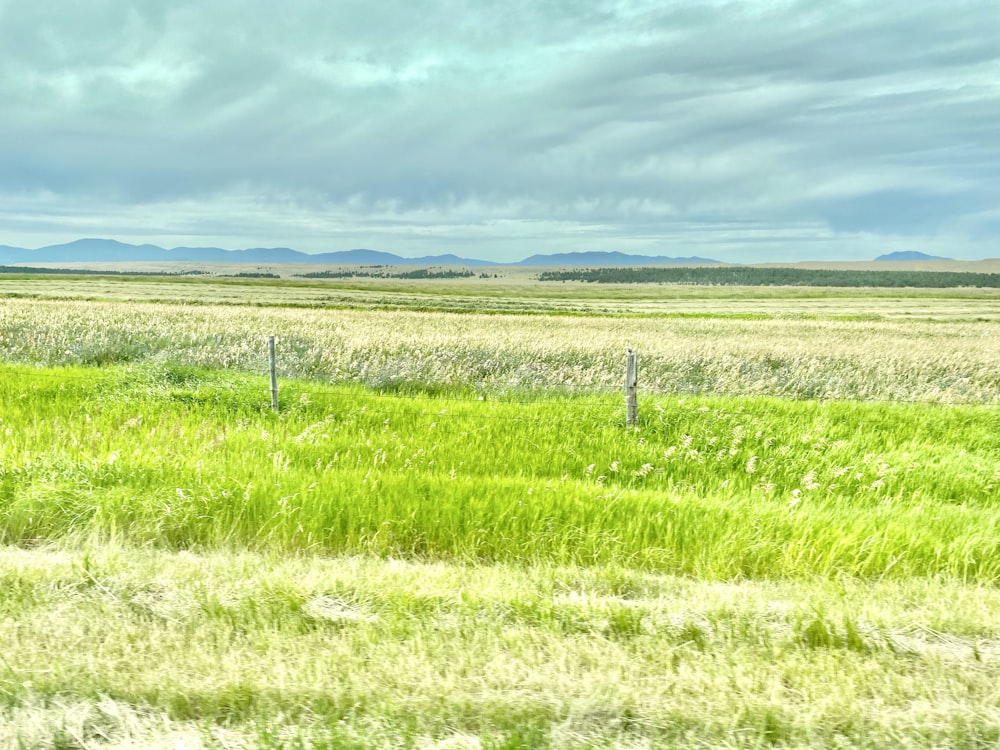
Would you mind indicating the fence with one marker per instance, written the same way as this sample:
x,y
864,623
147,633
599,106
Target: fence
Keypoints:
x,y
631,382
631,386
584,395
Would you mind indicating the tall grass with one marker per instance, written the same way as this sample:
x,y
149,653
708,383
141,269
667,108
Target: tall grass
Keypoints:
x,y
725,356
720,488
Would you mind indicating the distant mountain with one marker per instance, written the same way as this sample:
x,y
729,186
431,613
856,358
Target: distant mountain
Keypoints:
x,y
92,249
111,251
7,253
452,260
910,255
608,259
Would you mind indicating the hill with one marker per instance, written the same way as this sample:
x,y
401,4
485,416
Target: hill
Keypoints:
x,y
910,255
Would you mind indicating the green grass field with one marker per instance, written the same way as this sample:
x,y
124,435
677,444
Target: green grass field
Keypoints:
x,y
716,488
404,556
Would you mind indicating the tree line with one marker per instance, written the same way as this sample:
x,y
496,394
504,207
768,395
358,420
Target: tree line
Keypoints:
x,y
750,276
419,273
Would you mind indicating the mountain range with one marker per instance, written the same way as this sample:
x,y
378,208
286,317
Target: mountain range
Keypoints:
x,y
112,251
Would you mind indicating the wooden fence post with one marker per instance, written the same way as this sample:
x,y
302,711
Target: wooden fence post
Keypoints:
x,y
274,373
631,390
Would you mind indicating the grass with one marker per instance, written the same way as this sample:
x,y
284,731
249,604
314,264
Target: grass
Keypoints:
x,y
448,538
727,356
518,294
118,646
716,488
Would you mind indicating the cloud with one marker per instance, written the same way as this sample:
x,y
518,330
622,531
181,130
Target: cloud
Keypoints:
x,y
602,125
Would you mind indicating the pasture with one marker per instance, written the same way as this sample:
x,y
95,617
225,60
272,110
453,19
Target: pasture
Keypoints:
x,y
447,537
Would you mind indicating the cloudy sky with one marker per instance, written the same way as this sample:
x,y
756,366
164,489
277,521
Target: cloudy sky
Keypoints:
x,y
743,131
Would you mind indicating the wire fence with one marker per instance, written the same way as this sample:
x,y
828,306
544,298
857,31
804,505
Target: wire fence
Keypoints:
x,y
577,402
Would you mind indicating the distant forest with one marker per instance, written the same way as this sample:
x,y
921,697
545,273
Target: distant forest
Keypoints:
x,y
92,272
746,276
420,273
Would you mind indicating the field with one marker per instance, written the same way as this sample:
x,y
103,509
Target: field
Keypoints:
x,y
447,537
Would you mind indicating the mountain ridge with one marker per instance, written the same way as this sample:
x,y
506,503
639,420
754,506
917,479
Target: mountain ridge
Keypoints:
x,y
95,250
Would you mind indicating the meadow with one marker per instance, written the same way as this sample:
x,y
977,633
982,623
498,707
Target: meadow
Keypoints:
x,y
513,293
793,356
447,537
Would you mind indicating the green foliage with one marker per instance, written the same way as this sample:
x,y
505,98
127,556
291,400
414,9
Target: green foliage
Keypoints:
x,y
362,273
752,276
38,271
427,273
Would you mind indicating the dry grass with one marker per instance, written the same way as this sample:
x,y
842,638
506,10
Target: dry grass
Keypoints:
x,y
514,293
788,357
119,647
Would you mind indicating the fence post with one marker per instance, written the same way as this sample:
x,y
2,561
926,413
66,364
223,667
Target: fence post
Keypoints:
x,y
274,372
631,390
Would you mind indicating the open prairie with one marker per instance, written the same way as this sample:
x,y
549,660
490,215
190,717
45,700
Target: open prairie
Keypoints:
x,y
519,292
716,352
448,538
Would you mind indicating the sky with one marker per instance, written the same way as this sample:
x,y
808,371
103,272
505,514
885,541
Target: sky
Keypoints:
x,y
740,131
